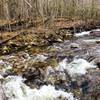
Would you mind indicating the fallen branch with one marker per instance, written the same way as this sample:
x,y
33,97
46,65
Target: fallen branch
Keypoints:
x,y
5,41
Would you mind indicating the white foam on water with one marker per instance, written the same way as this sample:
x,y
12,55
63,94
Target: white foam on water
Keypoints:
x,y
76,67
92,40
15,89
82,33
96,30
62,65
85,33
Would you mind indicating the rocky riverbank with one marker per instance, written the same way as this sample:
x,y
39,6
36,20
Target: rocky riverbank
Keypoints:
x,y
56,63
64,70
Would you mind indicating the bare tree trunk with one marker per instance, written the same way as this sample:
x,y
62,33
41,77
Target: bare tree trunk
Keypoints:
x,y
6,9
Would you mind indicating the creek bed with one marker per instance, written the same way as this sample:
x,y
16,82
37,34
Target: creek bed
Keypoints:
x,y
62,71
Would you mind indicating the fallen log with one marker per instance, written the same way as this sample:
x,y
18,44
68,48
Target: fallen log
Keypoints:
x,y
5,41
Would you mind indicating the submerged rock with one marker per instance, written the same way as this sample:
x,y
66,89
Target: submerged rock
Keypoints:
x,y
91,88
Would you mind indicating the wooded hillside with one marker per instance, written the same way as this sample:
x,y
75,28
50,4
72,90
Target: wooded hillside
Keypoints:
x,y
19,9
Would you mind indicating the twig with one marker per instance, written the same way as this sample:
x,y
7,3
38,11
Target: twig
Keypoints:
x,y
28,3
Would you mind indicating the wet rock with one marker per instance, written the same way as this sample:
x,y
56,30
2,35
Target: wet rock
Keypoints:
x,y
32,74
40,83
73,84
85,87
74,45
93,92
63,85
90,85
64,34
55,76
95,33
66,61
97,62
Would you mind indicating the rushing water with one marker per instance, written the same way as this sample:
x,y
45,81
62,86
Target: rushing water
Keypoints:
x,y
15,89
76,65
